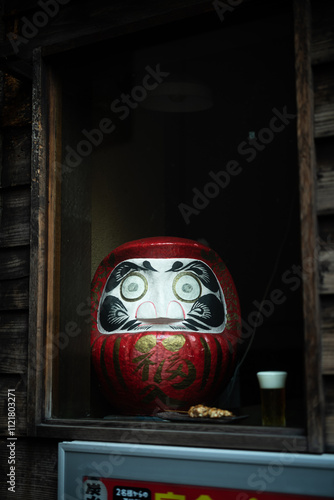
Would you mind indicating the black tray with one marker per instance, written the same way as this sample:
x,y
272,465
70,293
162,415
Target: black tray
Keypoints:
x,y
182,417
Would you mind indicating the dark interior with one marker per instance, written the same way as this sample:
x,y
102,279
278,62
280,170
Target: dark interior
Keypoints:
x,y
167,175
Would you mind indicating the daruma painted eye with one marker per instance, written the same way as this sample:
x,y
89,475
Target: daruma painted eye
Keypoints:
x,y
187,287
134,287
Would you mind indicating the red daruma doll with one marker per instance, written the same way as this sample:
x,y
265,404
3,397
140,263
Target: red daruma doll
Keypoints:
x,y
165,325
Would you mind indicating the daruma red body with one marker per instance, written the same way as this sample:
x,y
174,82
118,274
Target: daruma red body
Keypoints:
x,y
165,325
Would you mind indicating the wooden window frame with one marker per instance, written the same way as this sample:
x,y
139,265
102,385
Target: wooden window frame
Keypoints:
x,y
44,271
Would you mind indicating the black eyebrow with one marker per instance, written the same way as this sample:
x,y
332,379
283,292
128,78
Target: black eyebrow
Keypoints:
x,y
122,270
177,266
148,265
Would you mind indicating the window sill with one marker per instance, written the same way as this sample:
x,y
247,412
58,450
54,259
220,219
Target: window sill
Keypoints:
x,y
285,439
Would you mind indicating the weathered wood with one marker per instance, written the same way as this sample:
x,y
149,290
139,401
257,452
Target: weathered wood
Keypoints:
x,y
324,154
307,172
326,254
327,313
15,323
325,171
89,23
322,47
326,230
17,102
14,263
16,157
325,205
326,270
14,294
15,220
327,332
54,244
77,25
128,422
14,342
325,193
36,469
329,392
38,244
323,51
328,354
329,428
324,100
18,383
166,433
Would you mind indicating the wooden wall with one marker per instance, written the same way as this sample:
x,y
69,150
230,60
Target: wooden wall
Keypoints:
x,y
37,459
322,54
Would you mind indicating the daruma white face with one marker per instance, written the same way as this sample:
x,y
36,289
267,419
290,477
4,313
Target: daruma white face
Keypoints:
x,y
162,295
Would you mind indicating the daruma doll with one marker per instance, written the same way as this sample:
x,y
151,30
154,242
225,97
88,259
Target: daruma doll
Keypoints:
x,y
165,325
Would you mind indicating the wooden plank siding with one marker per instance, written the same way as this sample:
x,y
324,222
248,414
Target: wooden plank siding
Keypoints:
x,y
323,75
327,329
36,476
322,50
19,383
15,173
307,177
14,342
329,396
16,156
325,171
15,125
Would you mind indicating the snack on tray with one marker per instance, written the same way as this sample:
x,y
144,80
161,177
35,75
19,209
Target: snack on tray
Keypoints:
x,y
208,412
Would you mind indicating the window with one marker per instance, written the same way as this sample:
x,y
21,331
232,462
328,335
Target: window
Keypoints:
x,y
218,163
